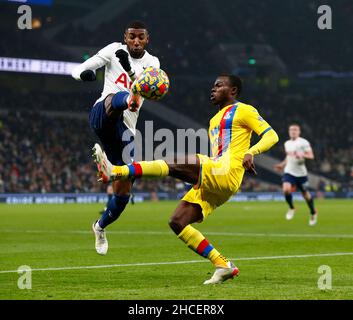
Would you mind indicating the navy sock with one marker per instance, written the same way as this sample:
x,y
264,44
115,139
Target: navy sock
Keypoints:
x,y
289,199
310,203
115,207
119,100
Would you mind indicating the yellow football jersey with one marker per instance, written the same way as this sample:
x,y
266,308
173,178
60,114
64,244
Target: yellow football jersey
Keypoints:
x,y
221,175
231,128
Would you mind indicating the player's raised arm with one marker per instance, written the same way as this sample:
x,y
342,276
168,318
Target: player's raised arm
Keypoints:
x,y
251,118
86,71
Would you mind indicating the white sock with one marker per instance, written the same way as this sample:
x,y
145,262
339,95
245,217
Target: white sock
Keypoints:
x,y
97,226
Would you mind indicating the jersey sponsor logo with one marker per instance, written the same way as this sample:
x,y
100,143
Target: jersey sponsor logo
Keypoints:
x,y
124,80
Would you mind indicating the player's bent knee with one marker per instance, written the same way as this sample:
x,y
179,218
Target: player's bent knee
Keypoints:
x,y
176,224
109,109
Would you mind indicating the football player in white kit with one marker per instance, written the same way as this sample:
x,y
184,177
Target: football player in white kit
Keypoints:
x,y
117,110
295,173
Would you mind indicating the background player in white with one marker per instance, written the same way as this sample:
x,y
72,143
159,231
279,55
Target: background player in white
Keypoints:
x,y
295,173
117,110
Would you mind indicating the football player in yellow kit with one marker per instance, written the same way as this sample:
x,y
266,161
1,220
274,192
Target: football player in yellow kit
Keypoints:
x,y
215,179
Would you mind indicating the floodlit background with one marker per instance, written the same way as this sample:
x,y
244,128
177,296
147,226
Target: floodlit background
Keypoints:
x,y
292,71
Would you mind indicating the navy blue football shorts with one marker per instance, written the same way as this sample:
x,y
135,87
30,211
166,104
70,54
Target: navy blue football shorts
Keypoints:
x,y
110,133
300,182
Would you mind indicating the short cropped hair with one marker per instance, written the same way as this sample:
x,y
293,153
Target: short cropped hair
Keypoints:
x,y
136,24
235,81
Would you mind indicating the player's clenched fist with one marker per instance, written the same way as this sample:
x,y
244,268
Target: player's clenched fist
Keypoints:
x,y
123,57
88,75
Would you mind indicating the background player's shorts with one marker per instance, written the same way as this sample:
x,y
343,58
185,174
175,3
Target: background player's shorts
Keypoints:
x,y
216,184
300,182
110,133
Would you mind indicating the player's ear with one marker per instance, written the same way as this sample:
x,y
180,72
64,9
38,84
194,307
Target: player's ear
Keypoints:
x,y
234,91
147,38
125,37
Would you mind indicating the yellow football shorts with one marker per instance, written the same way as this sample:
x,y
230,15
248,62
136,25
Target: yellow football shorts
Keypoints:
x,y
218,181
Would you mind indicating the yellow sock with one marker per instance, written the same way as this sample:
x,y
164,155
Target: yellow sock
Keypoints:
x,y
197,242
157,168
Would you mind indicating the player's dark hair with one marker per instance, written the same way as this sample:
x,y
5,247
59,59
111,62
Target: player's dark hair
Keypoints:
x,y
136,24
294,124
235,81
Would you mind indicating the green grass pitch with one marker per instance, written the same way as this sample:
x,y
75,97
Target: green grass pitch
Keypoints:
x,y
278,259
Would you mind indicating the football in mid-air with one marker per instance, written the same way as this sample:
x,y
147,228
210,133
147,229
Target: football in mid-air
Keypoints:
x,y
153,84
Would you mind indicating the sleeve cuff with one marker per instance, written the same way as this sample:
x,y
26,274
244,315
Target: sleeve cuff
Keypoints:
x,y
263,132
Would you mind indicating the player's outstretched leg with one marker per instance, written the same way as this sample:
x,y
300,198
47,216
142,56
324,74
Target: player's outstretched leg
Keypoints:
x,y
287,191
108,172
313,212
187,213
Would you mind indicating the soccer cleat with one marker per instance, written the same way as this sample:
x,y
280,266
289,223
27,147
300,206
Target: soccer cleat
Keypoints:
x,y
290,214
101,240
103,164
313,219
134,100
223,274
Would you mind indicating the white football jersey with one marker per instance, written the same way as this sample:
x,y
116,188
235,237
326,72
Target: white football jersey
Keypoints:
x,y
296,167
116,79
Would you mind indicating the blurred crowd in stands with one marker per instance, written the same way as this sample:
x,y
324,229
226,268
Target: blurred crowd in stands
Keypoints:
x,y
49,153
42,154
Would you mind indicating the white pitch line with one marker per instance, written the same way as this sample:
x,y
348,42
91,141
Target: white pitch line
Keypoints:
x,y
185,262
212,233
